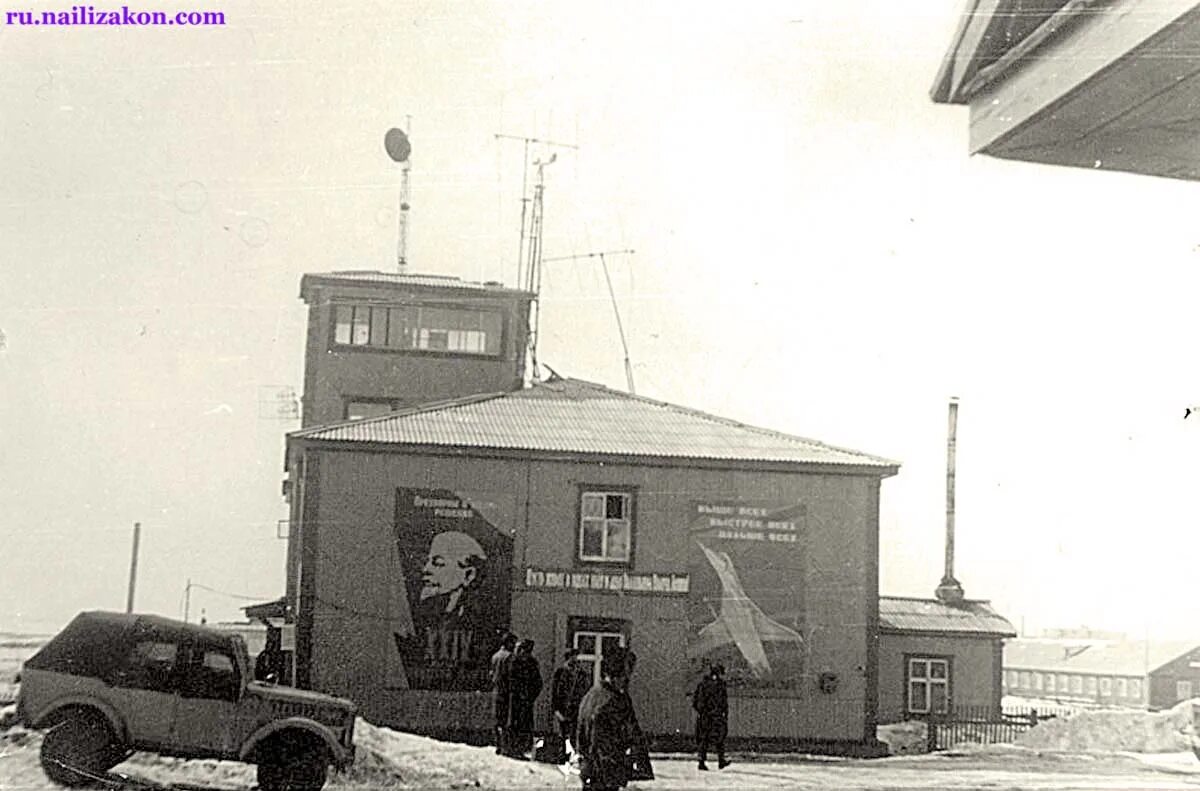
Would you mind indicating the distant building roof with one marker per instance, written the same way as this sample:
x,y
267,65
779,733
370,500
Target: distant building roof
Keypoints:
x,y
573,416
371,277
1122,658
898,614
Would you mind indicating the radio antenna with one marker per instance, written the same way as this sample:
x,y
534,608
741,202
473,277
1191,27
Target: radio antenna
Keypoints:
x,y
613,297
398,147
526,199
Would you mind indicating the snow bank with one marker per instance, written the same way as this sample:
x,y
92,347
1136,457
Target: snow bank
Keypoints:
x,y
1112,730
392,759
904,738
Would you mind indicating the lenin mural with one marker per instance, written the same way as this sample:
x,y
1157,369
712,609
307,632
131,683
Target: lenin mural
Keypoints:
x,y
746,608
450,593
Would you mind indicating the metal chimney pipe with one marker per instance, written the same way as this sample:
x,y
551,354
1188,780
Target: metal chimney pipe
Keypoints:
x,y
949,590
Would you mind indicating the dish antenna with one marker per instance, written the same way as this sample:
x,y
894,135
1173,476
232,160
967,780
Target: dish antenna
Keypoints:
x,y
398,147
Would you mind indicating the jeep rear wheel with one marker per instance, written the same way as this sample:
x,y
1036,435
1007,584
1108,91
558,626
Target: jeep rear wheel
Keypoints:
x,y
79,748
293,765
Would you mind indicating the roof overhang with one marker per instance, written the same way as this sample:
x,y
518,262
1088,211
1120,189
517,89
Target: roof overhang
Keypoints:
x,y
1101,84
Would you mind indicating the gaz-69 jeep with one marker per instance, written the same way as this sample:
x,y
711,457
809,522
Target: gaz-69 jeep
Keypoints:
x,y
111,683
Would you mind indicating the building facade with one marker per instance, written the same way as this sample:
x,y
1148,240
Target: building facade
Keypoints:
x,y
1121,673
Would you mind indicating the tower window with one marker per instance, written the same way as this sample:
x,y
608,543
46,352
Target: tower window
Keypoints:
x,y
418,328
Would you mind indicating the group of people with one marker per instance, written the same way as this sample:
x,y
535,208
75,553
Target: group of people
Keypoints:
x,y
516,684
596,721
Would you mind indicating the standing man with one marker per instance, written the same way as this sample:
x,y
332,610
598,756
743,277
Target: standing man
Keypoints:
x,y
501,662
525,684
570,683
711,702
608,729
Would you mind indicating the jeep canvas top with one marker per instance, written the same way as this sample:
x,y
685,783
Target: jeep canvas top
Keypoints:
x,y
111,683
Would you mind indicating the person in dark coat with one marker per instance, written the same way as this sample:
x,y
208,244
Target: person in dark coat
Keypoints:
x,y
524,685
570,683
608,736
501,665
711,702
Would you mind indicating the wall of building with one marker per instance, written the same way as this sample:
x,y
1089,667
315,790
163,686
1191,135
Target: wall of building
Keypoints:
x,y
351,501
1177,680
1093,689
335,373
974,670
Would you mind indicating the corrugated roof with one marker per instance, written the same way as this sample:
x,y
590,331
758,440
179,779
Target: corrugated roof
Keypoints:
x,y
930,615
397,279
572,416
1124,657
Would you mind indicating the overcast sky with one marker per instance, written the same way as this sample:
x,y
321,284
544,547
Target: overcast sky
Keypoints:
x,y
815,253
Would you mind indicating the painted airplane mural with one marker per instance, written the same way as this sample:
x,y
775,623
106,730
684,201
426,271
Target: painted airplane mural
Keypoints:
x,y
740,621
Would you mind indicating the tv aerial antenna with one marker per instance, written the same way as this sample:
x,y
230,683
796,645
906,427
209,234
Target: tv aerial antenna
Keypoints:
x,y
612,297
399,148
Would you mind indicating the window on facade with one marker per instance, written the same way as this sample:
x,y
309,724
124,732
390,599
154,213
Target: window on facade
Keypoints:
x,y
1122,687
1091,685
928,685
594,638
416,327
1077,685
1038,681
1050,685
1135,688
359,408
605,526
1063,682
1014,678
1183,690
1106,686
1026,679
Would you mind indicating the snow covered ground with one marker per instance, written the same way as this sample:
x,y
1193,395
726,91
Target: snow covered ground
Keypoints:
x,y
397,761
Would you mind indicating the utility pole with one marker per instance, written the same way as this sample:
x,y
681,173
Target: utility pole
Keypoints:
x,y
187,599
133,563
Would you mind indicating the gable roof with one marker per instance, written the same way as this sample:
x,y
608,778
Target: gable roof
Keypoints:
x,y
971,617
1122,657
573,416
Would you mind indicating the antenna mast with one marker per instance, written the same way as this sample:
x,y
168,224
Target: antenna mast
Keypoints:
x,y
613,297
398,147
529,256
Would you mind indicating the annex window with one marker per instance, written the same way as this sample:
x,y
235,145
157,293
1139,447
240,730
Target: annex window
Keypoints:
x,y
928,685
1122,687
595,637
1038,681
418,327
1063,683
1026,680
1091,685
1013,679
1183,690
605,525
1135,688
1077,685
1106,686
1051,686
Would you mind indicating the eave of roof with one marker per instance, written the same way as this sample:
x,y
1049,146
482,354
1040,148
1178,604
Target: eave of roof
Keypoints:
x,y
397,281
969,618
573,417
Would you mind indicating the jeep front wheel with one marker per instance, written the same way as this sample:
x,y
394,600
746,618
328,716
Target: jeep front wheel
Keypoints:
x,y
291,769
78,749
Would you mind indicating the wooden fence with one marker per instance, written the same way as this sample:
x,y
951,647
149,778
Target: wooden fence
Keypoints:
x,y
984,725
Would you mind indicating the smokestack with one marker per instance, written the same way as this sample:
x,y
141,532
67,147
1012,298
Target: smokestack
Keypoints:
x,y
949,590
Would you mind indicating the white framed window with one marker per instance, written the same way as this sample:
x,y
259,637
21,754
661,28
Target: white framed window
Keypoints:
x,y
605,525
1038,681
1135,688
594,638
1183,690
1063,682
418,327
1106,686
1122,687
1026,679
1091,685
1051,686
928,685
1014,678
1076,685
